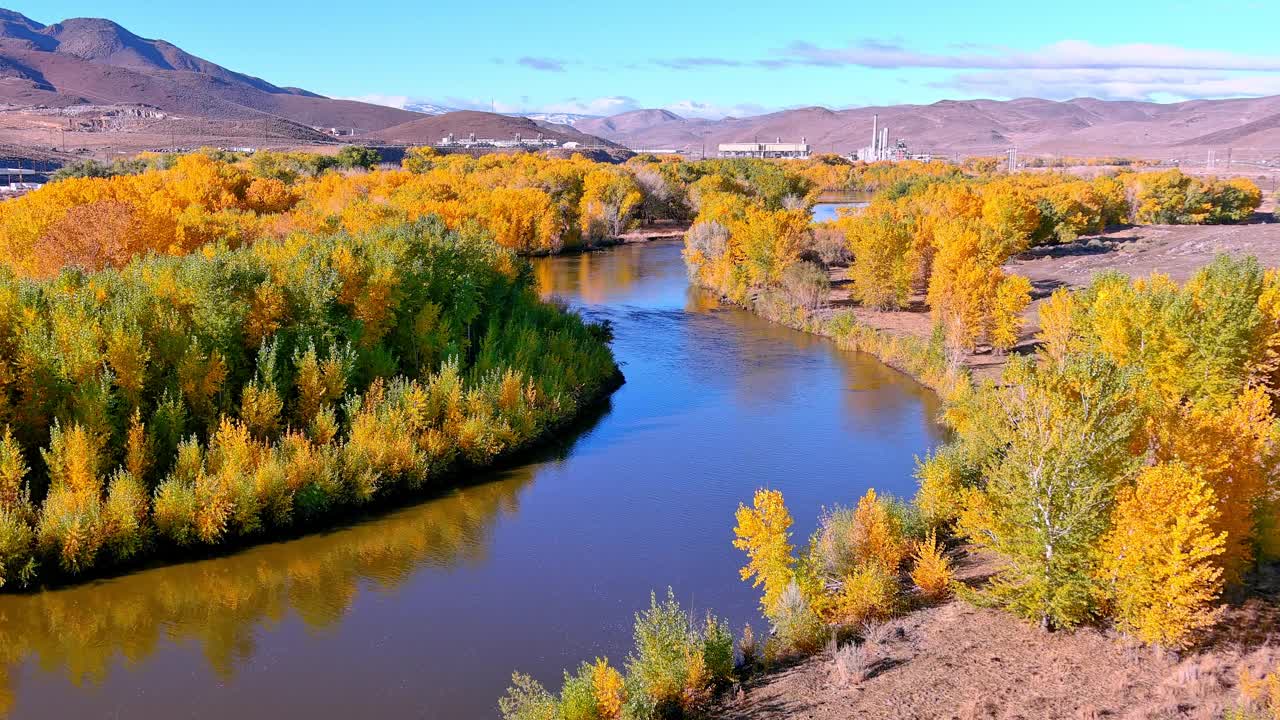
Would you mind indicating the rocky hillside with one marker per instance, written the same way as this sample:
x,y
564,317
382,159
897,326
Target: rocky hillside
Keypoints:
x,y
90,60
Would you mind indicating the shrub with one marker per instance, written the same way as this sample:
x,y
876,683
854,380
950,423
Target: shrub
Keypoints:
x,y
932,571
849,663
806,285
125,515
578,695
877,534
868,593
717,650
354,156
17,539
798,627
1260,697
667,662
609,690
748,649
940,496
526,699
831,247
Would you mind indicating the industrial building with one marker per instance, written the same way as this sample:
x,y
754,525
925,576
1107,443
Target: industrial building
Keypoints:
x,y
21,180
517,141
777,150
881,151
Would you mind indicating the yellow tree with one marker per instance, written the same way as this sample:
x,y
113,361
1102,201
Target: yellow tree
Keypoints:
x,y
768,241
1057,325
1012,295
764,533
1159,556
610,198
962,282
884,260
877,534
1232,450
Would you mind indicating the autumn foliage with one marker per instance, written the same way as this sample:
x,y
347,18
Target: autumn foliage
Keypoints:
x,y
230,393
527,203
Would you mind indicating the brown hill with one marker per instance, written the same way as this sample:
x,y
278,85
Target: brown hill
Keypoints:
x,y
87,60
1084,126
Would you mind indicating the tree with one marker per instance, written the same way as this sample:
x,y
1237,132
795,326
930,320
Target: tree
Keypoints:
x,y
610,199
884,261
355,156
1159,558
1012,295
1058,447
763,532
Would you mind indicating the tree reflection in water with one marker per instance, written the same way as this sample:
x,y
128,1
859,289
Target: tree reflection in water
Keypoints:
x,y
222,603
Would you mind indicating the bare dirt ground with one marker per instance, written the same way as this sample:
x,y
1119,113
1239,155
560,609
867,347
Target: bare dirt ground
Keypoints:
x,y
967,663
1174,250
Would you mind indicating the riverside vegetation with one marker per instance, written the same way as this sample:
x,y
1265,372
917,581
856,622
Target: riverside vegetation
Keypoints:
x,y
1124,475
207,348
197,400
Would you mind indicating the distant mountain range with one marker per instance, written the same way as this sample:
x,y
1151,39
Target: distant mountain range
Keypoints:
x,y
1084,126
88,61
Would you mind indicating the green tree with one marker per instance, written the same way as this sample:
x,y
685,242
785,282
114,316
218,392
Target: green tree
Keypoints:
x,y
355,156
1057,447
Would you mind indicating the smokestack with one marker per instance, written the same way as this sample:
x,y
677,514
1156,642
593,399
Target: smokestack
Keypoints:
x,y
884,143
875,136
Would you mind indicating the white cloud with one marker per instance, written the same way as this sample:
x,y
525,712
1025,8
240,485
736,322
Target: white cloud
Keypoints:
x,y
609,105
1067,54
602,106
395,101
1114,84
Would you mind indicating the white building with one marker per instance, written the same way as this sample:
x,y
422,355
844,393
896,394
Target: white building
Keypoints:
x,y
471,141
779,149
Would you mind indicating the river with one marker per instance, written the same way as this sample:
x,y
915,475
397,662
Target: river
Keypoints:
x,y
425,611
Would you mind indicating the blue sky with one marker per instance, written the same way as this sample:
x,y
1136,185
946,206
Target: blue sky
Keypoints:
x,y
717,58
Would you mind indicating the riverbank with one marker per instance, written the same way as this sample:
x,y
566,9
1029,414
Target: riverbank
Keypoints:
x,y
642,234
1177,251
958,661
961,661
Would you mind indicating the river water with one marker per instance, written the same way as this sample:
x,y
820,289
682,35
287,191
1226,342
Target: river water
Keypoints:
x,y
425,611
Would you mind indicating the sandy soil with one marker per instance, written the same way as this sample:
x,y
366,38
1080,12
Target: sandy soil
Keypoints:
x,y
958,661
1175,250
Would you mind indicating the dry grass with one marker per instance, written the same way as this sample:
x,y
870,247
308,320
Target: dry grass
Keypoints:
x,y
957,661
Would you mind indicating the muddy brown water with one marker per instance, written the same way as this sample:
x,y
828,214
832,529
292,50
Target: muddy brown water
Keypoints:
x,y
424,611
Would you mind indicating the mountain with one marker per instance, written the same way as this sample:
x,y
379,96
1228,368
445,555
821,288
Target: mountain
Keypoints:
x,y
427,108
1083,126
555,118
92,60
